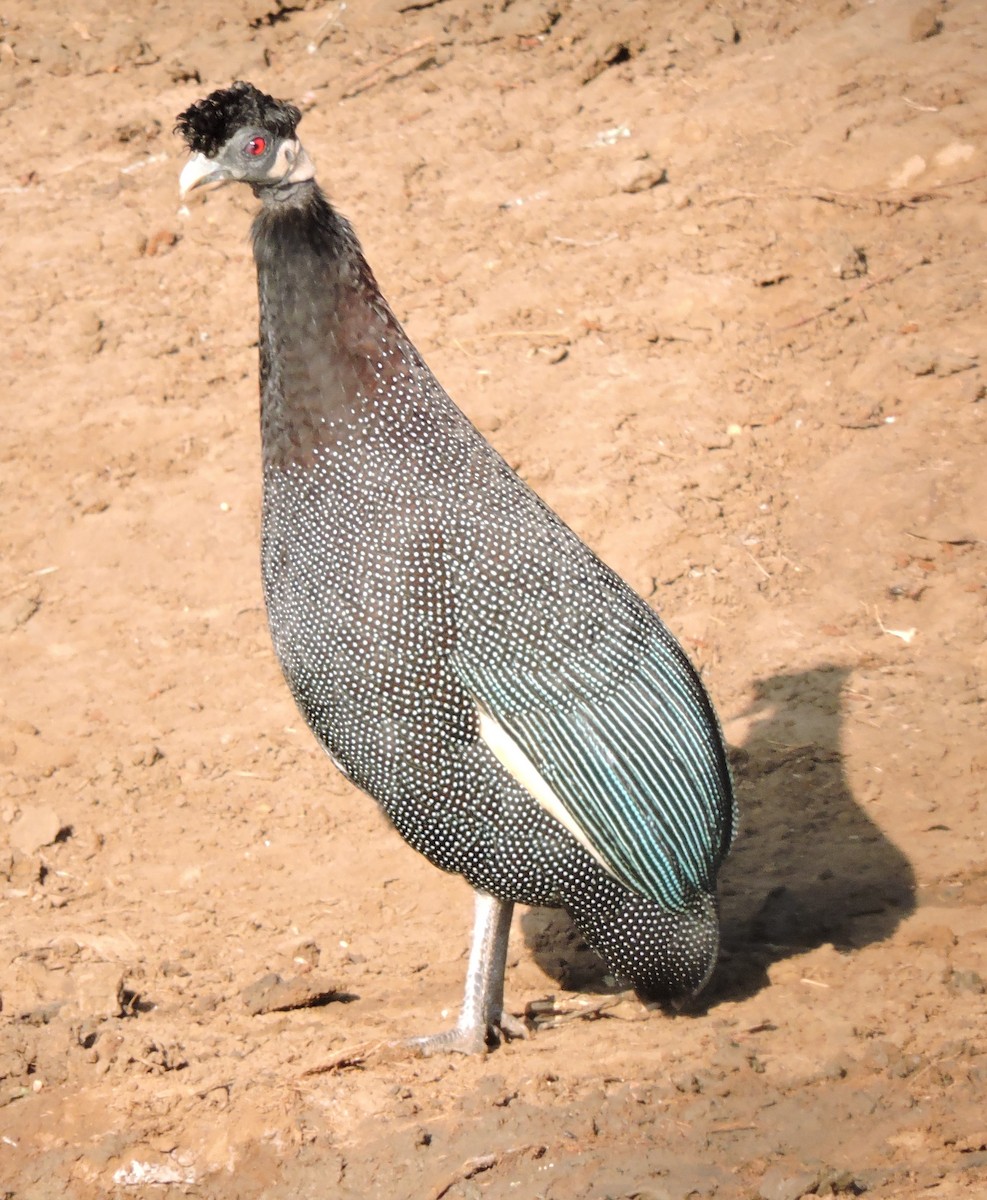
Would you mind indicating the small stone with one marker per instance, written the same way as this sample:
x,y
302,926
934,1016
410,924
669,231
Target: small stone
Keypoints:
x,y
778,1184
767,275
839,1182
146,756
18,610
307,954
723,30
22,871
939,937
43,1014
974,391
952,363
36,826
271,993
160,241
641,176
926,23
97,989
716,440
925,360
503,143
918,361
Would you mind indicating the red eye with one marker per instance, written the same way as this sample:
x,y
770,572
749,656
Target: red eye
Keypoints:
x,y
256,146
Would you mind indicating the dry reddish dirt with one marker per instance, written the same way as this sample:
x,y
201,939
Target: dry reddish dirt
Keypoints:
x,y
712,277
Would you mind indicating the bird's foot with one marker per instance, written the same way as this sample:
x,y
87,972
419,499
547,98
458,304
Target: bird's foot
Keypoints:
x,y
470,1037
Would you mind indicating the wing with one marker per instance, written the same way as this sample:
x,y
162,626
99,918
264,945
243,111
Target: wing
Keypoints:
x,y
600,715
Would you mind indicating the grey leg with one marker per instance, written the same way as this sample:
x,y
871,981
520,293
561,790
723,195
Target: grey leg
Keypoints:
x,y
483,1002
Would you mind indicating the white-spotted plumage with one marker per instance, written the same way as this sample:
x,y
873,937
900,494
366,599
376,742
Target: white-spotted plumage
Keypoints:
x,y
413,582
519,713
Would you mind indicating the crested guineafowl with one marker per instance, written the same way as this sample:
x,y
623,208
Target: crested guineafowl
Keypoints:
x,y
521,716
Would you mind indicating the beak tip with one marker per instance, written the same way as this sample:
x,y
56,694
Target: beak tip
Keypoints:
x,y
196,173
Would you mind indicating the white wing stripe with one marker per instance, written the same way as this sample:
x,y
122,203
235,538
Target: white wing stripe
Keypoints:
x,y
518,765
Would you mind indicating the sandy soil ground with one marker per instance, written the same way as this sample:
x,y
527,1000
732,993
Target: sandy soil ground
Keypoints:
x,y
712,277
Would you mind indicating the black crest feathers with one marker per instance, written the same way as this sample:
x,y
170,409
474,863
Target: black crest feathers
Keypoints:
x,y
210,123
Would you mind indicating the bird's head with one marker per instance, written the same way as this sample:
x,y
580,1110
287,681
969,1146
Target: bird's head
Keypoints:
x,y
240,135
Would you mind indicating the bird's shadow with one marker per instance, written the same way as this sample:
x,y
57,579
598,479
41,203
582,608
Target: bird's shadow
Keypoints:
x,y
808,867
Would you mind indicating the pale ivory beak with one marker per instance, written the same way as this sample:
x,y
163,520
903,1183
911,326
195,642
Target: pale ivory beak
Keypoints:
x,y
198,172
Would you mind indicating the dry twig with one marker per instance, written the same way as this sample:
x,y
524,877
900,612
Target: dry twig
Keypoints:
x,y
345,1059
888,277
486,1162
360,83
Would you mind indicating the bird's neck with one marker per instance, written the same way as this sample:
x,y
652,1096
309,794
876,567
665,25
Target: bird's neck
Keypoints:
x,y
327,337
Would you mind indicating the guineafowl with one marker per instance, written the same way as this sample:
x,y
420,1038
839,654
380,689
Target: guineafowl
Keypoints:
x,y
520,715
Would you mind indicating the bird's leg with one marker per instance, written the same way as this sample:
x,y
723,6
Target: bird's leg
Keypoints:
x,y
483,1003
